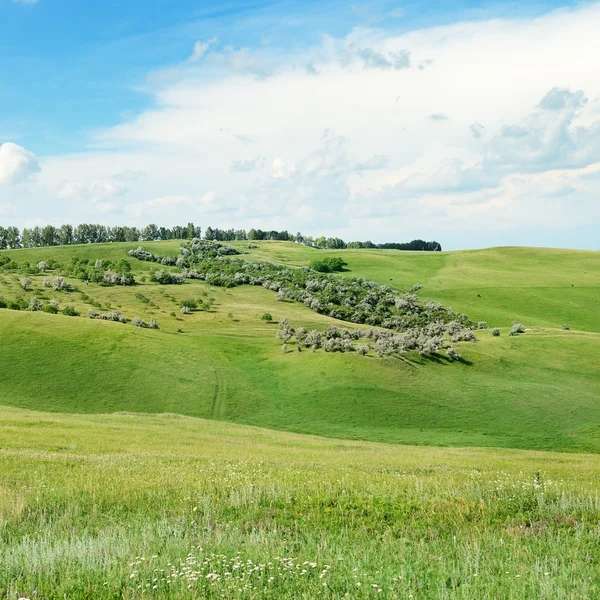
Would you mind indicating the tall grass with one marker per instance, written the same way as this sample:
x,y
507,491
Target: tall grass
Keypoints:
x,y
170,507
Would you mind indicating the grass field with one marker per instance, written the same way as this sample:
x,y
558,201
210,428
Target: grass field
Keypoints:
x,y
536,391
111,487
170,507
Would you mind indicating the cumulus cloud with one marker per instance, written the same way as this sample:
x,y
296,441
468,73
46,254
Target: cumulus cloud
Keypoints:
x,y
518,118
98,191
548,138
246,166
163,207
477,130
201,48
17,164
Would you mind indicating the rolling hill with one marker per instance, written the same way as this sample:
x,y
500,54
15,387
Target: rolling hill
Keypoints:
x,y
538,390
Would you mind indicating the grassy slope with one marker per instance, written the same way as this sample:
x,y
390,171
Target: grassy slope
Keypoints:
x,y
535,391
109,506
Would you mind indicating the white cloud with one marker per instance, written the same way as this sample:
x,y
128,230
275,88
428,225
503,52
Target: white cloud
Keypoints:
x,y
17,164
98,190
521,135
201,48
163,207
281,168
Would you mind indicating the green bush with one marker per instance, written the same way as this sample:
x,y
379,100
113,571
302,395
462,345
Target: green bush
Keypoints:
x,y
13,305
329,264
190,303
267,317
70,311
50,308
496,332
3,303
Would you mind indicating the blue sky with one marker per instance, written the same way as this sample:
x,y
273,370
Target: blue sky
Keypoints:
x,y
384,120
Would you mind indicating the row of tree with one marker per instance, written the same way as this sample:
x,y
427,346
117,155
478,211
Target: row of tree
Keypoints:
x,y
93,233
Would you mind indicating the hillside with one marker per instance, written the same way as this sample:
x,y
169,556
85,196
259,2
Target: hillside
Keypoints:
x,y
538,390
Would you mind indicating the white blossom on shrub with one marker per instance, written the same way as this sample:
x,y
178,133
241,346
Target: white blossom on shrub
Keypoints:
x,y
516,329
35,304
61,284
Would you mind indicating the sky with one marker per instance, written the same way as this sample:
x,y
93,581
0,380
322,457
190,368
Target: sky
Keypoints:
x,y
474,123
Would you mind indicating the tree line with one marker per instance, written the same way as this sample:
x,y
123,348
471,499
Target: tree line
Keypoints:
x,y
93,233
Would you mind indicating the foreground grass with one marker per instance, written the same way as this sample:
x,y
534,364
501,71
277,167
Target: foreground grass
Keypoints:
x,y
173,507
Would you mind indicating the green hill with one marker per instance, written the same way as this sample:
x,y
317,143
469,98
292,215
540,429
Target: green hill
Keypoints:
x,y
539,390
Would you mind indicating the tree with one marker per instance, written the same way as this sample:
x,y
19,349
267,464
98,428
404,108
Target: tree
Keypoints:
x,y
26,283
13,237
49,236
65,235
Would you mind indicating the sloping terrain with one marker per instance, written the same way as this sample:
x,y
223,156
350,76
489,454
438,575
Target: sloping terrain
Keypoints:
x,y
538,390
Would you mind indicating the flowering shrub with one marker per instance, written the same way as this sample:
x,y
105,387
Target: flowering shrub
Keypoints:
x,y
137,322
516,329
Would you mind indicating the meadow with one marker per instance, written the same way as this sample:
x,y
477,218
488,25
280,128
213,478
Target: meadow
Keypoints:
x,y
535,391
136,506
200,461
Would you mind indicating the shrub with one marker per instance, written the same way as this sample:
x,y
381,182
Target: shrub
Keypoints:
x,y
284,347
41,266
328,265
452,353
415,288
13,305
114,315
91,313
482,325
385,346
34,304
286,331
70,311
496,332
172,314
137,322
112,278
464,335
49,308
61,284
516,329
47,282
185,310
26,283
3,303
168,277
191,304
363,349
566,326
54,303
267,317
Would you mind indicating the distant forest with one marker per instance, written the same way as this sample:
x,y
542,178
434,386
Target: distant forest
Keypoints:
x,y
12,237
